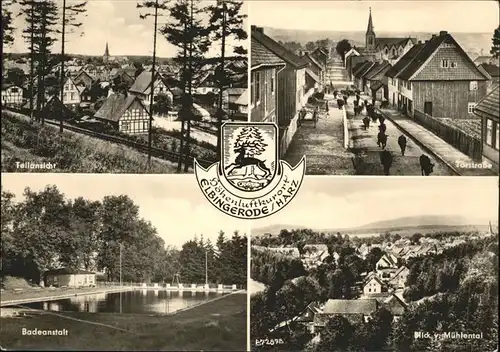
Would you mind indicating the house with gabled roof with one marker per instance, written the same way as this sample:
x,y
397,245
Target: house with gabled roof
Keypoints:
x,y
127,114
359,72
142,87
314,254
488,109
440,80
395,305
373,284
321,55
386,266
291,87
398,280
12,94
82,77
315,66
355,310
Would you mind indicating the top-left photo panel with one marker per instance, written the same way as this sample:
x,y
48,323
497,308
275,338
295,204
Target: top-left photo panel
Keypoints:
x,y
130,86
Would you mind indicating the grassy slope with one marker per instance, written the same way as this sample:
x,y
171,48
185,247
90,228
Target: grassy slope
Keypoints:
x,y
72,152
219,325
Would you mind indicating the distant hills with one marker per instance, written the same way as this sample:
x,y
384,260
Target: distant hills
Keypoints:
x,y
402,225
470,42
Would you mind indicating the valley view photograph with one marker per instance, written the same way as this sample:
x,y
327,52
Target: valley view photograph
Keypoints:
x,y
120,87
378,264
380,87
131,262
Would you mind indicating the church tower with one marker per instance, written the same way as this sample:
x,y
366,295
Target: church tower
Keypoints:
x,y
370,34
106,53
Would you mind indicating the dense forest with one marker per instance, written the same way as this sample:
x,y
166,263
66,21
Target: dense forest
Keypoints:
x,y
455,291
46,230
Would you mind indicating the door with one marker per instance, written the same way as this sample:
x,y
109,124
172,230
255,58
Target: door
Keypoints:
x,y
428,108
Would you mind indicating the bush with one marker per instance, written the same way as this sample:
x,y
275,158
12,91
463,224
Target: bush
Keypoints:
x,y
12,283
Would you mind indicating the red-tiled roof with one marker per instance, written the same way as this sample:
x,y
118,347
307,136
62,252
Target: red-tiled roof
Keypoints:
x,y
260,55
404,60
490,104
278,49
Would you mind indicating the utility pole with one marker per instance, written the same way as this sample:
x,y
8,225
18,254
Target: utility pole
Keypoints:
x,y
221,83
190,86
150,129
62,62
120,277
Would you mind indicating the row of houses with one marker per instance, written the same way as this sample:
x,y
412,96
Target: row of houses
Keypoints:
x,y
435,78
282,82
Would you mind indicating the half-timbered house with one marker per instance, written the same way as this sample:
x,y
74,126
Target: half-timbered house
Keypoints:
x,y
12,94
127,114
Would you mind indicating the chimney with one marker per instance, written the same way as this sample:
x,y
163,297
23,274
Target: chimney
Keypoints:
x,y
433,36
443,33
257,29
419,42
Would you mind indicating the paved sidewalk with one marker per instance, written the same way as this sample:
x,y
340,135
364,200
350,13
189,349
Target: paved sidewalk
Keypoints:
x,y
435,145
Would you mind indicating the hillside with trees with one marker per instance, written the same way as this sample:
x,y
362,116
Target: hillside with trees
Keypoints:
x,y
452,291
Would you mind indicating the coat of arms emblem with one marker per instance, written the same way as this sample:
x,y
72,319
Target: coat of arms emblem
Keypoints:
x,y
250,181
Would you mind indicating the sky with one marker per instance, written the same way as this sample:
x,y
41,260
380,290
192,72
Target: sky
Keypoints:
x,y
406,16
116,22
340,202
174,204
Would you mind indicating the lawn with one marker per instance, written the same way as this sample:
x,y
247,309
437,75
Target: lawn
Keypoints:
x,y
72,152
215,326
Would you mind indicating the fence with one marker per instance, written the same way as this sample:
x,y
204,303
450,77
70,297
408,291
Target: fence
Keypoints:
x,y
455,137
212,286
346,128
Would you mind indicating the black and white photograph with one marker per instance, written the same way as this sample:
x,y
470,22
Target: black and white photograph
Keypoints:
x,y
378,264
406,88
119,263
77,80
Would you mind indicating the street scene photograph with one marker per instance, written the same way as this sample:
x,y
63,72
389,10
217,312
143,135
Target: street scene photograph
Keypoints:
x,y
139,86
378,264
405,88
119,263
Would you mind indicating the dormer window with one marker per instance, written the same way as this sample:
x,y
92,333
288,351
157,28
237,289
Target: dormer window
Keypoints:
x,y
444,63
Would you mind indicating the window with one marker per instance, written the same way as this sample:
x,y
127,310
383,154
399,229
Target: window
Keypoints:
x,y
72,96
386,51
489,132
444,63
473,85
14,90
125,126
257,88
496,136
453,64
470,107
145,125
273,81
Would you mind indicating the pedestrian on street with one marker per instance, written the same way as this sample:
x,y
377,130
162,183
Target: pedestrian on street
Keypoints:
x,y
326,106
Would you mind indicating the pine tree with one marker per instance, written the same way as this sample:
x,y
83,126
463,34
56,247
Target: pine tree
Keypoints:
x,y
187,32
7,29
226,21
495,47
41,18
69,19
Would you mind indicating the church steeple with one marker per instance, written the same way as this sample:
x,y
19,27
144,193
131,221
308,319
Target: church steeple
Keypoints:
x,y
106,51
370,33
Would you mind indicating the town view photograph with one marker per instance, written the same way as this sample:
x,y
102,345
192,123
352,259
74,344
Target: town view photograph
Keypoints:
x,y
120,86
379,87
378,264
131,262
